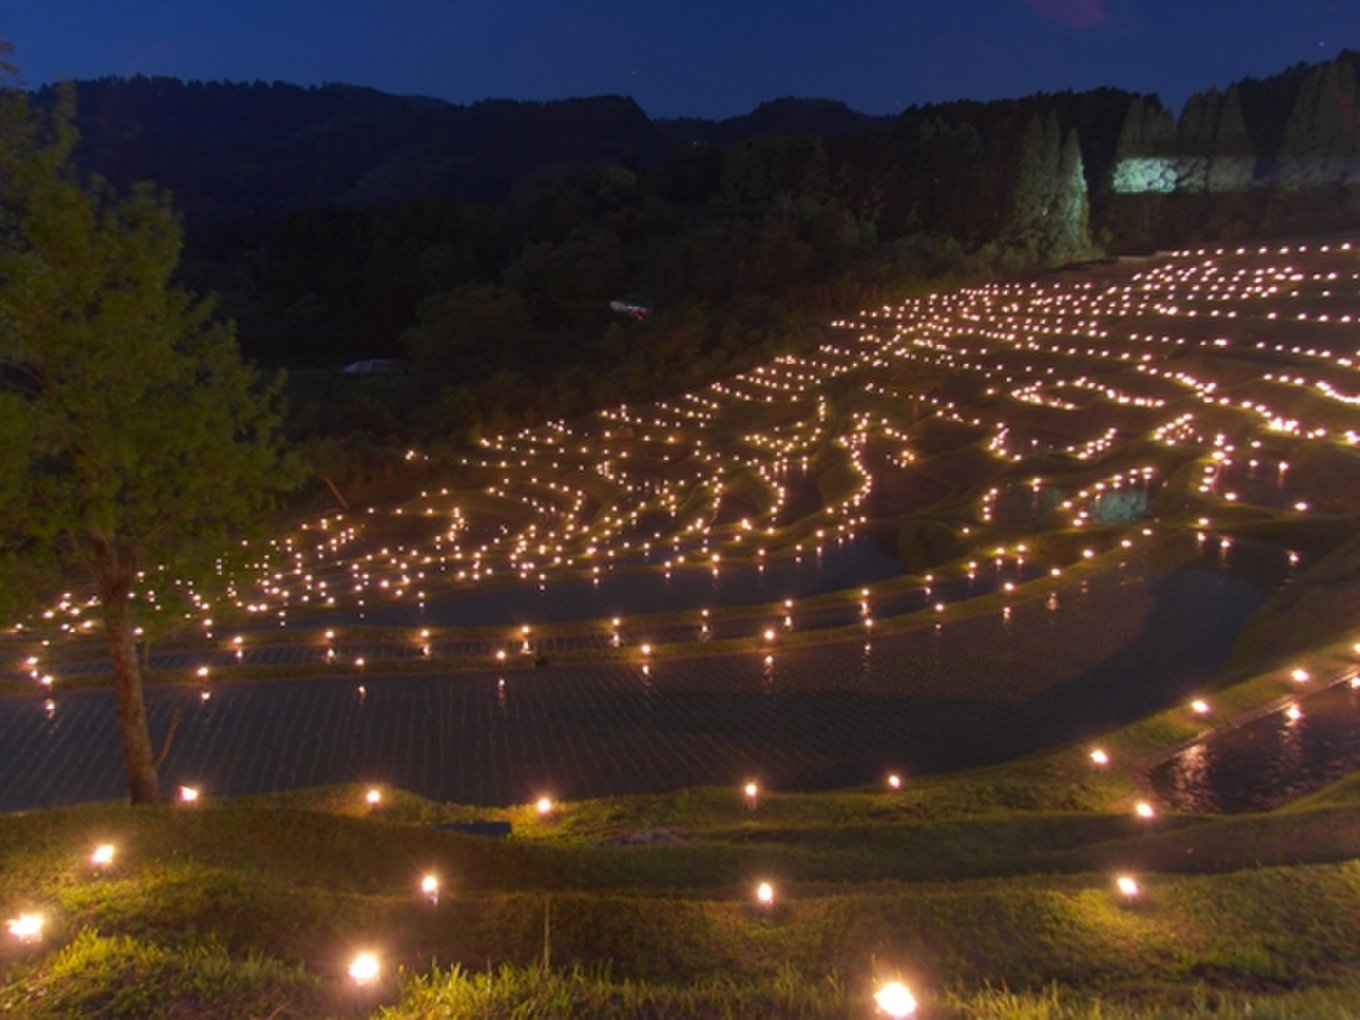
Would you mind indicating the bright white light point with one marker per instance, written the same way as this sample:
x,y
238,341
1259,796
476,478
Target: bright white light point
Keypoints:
x,y
1200,705
751,789
1127,886
1100,757
1299,676
646,649
373,797
26,927
765,894
1294,713
895,999
429,885
188,794
544,805
103,855
364,969
894,781
769,634
1144,810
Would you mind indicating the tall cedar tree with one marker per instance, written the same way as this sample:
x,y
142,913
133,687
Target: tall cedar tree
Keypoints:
x,y
133,434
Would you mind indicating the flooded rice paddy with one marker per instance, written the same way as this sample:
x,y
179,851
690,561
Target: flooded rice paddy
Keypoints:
x,y
665,567
823,715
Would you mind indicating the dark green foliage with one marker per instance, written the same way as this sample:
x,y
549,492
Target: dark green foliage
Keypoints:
x,y
133,434
341,224
926,544
130,417
122,976
1321,144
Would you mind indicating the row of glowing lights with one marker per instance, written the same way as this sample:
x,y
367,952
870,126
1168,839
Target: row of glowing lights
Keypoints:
x,y
28,927
892,998
522,635
698,407
1201,707
1342,362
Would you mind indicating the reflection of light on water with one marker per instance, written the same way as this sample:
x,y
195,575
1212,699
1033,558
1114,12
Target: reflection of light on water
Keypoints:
x,y
1288,763
1190,775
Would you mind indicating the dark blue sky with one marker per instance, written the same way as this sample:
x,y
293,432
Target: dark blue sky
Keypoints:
x,y
709,58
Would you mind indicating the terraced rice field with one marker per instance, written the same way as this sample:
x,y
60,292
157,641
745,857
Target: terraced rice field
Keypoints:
x,y
967,527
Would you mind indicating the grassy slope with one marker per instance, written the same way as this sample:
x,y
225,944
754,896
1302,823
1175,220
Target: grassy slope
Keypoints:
x,y
255,906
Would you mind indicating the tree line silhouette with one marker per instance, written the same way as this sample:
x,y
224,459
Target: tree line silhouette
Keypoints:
x,y
482,244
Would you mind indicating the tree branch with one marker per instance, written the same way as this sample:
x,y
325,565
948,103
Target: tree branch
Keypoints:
x,y
176,716
344,503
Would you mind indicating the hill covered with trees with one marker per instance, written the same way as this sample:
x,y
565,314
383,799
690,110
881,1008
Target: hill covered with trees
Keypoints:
x,y
482,245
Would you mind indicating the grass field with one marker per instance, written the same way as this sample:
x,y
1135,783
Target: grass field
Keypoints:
x,y
992,894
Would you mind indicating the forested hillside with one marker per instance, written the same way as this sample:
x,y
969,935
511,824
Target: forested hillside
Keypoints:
x,y
482,245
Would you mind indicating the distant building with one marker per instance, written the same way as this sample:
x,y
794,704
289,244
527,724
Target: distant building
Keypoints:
x,y
375,366
628,308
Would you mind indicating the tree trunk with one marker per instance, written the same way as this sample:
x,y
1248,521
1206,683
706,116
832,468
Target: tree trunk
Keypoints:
x,y
138,760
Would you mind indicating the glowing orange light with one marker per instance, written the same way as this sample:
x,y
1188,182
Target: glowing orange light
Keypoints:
x,y
894,999
26,927
429,886
364,969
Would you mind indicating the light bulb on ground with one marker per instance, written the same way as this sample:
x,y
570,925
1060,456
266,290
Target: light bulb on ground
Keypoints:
x,y
364,969
894,999
26,927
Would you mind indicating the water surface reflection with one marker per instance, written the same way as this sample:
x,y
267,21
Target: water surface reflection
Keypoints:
x,y
1269,761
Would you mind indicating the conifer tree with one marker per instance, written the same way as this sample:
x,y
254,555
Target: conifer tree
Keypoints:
x,y
131,433
1321,142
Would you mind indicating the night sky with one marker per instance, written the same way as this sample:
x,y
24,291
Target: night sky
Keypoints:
x,y
707,58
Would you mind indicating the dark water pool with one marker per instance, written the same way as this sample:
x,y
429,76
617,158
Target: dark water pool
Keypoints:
x,y
1270,761
976,691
